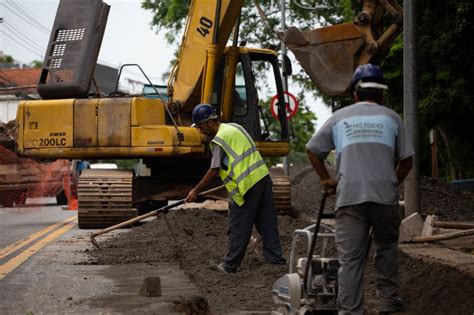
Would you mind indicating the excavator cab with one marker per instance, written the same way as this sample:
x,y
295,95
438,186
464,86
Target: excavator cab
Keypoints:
x,y
238,97
243,99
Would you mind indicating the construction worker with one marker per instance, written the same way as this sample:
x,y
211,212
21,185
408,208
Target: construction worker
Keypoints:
x,y
374,155
244,173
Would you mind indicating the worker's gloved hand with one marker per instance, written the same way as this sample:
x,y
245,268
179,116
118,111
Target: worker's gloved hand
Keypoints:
x,y
192,196
329,186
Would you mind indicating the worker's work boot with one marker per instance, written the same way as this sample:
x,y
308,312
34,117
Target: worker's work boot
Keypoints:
x,y
397,305
281,262
224,269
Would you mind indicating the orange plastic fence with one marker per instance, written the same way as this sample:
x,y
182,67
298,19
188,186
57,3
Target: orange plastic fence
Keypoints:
x,y
22,178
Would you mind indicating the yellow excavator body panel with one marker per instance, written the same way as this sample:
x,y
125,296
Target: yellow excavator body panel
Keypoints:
x,y
47,124
100,128
274,148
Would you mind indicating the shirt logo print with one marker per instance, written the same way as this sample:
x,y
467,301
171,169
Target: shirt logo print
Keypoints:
x,y
363,129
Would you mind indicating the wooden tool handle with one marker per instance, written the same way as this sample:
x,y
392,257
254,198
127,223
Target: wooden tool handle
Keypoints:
x,y
434,238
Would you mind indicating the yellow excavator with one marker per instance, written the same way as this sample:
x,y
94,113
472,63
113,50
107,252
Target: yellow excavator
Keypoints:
x,y
70,122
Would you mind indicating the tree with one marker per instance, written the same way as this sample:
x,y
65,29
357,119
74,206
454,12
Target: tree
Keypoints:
x,y
6,59
170,17
301,128
445,65
446,91
36,64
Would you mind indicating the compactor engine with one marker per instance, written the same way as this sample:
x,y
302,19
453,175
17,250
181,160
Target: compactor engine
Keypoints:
x,y
318,292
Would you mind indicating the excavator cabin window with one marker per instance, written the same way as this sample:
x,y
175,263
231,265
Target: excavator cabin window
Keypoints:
x,y
251,95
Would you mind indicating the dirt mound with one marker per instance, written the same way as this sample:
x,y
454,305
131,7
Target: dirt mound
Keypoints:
x,y
439,198
445,201
196,240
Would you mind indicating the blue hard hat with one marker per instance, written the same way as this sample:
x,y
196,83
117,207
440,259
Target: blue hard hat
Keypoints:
x,y
368,76
202,113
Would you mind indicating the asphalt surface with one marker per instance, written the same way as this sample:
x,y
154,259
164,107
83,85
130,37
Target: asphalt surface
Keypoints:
x,y
45,268
18,223
42,271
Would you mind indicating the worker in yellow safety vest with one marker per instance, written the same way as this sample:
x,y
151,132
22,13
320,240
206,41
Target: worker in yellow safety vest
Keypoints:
x,y
237,161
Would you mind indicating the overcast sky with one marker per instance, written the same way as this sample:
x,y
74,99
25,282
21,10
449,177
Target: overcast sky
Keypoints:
x,y
128,38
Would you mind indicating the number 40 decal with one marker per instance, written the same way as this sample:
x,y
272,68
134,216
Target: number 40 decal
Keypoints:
x,y
206,24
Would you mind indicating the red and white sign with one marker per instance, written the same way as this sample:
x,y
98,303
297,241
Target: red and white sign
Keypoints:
x,y
291,105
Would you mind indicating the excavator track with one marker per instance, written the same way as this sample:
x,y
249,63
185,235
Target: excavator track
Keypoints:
x,y
282,193
105,198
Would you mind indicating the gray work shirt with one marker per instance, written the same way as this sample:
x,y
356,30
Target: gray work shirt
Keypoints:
x,y
219,157
369,140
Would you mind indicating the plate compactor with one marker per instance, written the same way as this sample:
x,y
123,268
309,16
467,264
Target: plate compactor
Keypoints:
x,y
309,288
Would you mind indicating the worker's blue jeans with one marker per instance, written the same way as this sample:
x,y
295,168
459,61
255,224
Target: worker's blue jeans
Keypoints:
x,y
352,236
257,210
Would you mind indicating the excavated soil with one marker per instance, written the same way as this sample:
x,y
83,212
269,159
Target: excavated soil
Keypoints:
x,y
196,240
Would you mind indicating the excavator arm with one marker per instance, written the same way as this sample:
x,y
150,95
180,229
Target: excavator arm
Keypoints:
x,y
331,54
202,46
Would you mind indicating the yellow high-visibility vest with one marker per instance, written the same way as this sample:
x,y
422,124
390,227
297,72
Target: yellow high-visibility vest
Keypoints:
x,y
246,166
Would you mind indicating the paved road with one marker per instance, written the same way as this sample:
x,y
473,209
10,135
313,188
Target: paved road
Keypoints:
x,y
18,223
26,230
44,269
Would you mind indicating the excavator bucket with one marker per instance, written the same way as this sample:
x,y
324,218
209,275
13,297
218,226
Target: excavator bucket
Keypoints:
x,y
329,55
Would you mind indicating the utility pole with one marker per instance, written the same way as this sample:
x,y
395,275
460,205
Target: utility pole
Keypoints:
x,y
410,104
286,163
434,153
1,44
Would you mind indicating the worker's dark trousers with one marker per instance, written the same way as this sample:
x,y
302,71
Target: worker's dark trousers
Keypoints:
x,y
258,209
352,235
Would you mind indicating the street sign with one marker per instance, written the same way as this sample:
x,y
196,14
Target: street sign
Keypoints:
x,y
291,105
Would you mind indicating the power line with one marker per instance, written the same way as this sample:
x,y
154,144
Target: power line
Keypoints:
x,y
117,65
32,18
37,18
30,49
24,19
28,40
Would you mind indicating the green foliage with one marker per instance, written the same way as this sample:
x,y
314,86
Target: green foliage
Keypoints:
x,y
36,64
301,129
6,59
445,66
446,91
124,164
168,15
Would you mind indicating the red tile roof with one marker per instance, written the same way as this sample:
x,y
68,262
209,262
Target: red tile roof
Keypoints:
x,y
19,77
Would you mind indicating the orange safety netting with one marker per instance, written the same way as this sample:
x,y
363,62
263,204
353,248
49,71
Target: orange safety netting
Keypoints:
x,y
22,178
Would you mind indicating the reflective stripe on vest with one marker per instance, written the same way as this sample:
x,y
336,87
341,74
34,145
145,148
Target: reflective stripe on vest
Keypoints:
x,y
246,166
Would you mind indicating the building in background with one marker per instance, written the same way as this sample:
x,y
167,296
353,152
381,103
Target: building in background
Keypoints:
x,y
17,84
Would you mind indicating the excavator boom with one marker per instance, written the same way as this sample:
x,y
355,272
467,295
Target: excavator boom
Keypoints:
x,y
201,37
